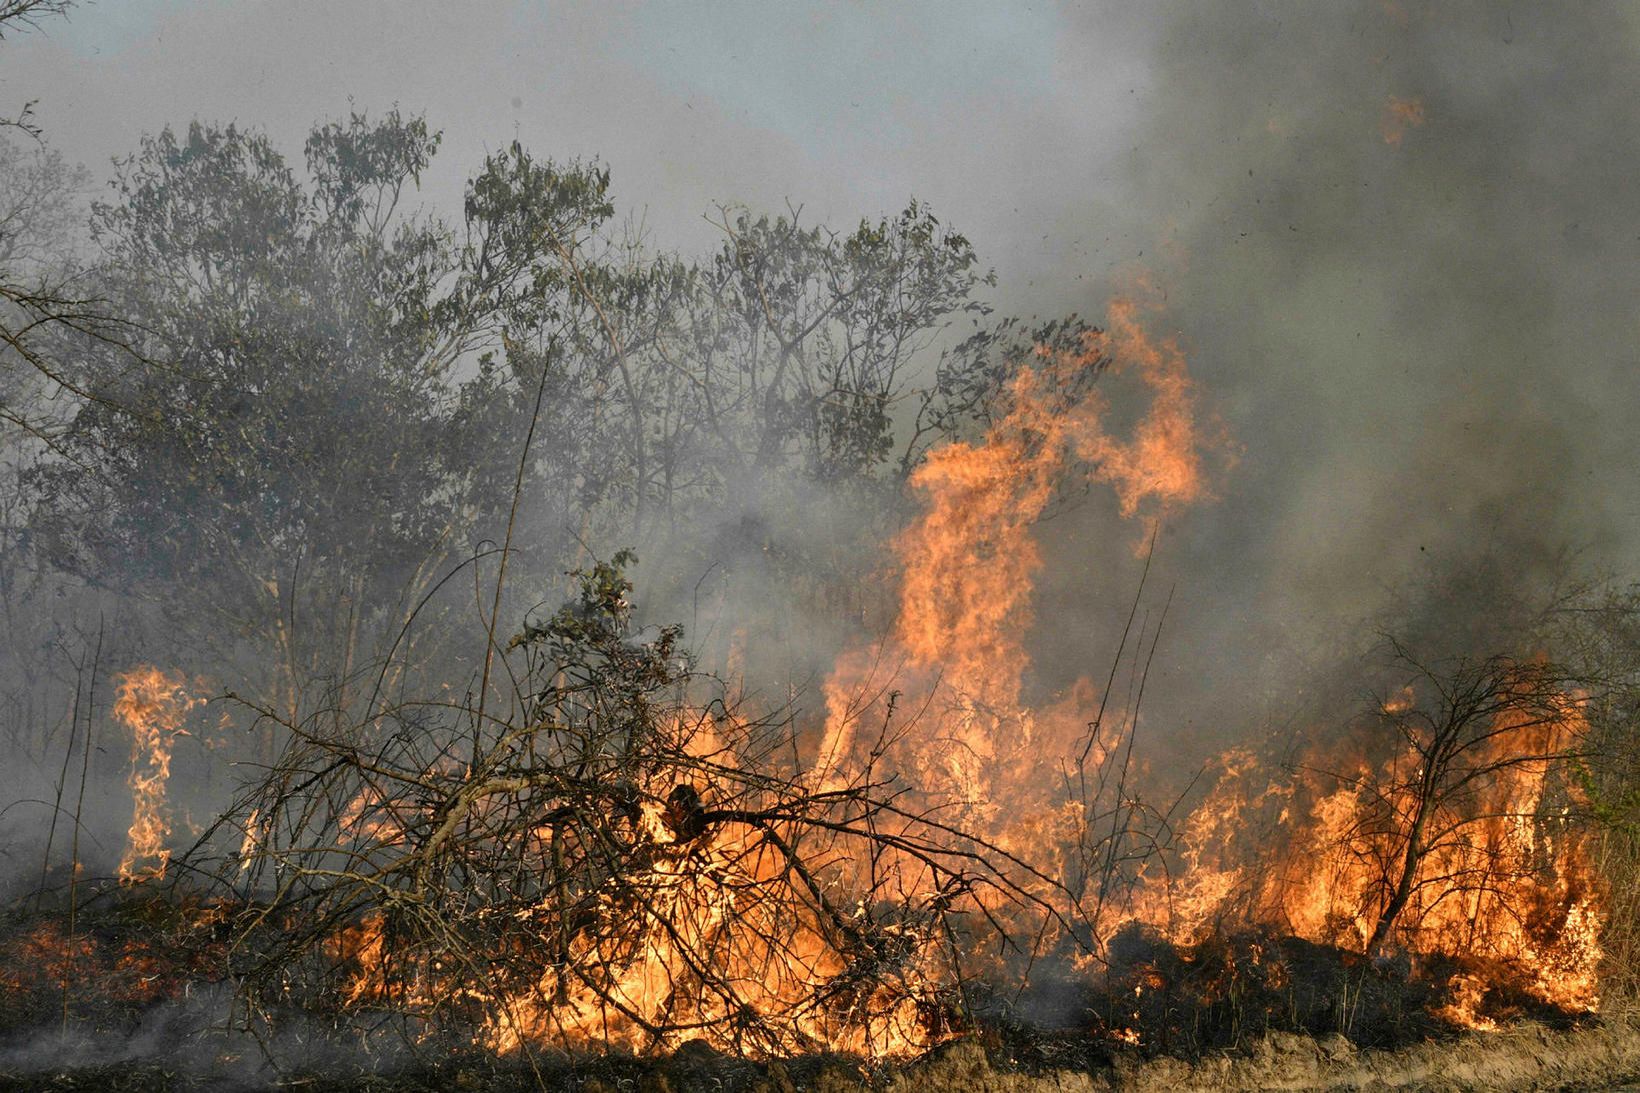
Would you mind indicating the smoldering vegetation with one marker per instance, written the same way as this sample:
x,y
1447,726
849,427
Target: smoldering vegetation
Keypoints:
x,y
466,642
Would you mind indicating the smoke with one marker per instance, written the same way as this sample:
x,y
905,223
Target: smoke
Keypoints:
x,y
1392,241
193,1040
1396,239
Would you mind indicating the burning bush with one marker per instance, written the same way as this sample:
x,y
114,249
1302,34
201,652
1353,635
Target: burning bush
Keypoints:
x,y
612,862
1445,825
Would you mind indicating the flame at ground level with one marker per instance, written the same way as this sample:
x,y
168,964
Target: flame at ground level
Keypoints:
x,y
693,895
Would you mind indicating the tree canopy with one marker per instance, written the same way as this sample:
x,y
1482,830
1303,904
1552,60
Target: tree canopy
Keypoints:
x,y
332,387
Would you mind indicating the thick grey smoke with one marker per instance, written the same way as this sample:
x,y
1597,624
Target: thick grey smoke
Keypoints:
x,y
1402,241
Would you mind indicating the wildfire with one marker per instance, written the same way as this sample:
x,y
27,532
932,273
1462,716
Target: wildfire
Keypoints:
x,y
715,927
1160,465
1399,703
743,927
968,564
1506,878
1492,872
724,892
152,705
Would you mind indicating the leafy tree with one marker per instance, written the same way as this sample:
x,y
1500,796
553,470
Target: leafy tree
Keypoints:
x,y
296,463
674,383
737,414
818,330
344,396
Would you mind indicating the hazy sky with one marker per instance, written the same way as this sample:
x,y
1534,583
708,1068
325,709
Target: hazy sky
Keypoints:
x,y
997,113
1401,240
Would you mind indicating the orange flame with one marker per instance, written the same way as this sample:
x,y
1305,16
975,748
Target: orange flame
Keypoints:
x,y
1507,884
1300,854
958,649
1509,881
969,562
695,894
1162,462
152,704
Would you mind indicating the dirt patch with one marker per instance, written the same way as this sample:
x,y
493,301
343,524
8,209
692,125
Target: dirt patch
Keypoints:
x,y
1528,1056
1525,1057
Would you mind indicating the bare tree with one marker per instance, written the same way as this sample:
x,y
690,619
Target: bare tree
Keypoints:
x,y
1479,723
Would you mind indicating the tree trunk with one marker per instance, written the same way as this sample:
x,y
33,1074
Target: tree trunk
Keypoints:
x,y
1403,885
